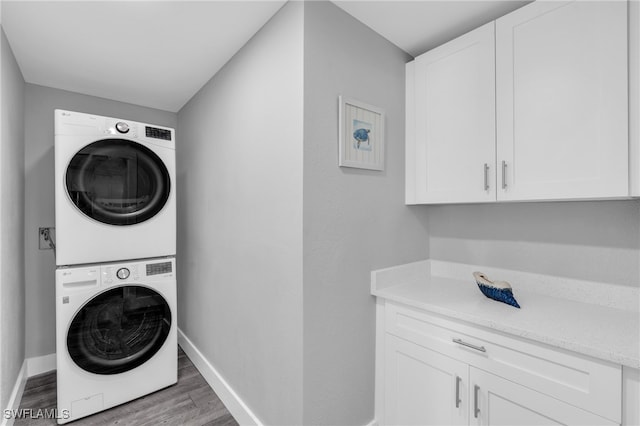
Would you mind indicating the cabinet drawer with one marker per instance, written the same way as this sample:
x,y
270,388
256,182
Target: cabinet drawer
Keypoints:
x,y
593,385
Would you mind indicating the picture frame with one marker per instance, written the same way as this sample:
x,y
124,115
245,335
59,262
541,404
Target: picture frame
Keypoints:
x,y
361,135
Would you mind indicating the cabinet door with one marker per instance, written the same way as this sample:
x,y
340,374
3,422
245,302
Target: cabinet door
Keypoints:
x,y
496,401
423,387
561,72
451,121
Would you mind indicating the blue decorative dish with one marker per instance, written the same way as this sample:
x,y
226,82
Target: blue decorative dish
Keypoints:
x,y
496,290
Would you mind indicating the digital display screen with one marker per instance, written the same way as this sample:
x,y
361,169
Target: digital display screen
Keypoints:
x,y
158,268
154,132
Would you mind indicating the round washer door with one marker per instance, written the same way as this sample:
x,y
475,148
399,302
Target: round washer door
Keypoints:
x,y
119,330
118,182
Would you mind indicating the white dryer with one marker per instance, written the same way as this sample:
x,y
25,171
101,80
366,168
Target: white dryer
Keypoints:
x,y
116,334
115,189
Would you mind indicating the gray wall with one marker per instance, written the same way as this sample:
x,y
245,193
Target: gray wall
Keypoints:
x,y
12,325
354,220
39,196
598,240
240,220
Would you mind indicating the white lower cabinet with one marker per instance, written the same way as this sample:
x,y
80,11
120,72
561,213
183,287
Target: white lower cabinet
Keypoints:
x,y
437,371
423,386
497,401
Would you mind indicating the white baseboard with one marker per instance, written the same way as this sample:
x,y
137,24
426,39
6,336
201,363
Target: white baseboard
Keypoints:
x,y
40,364
16,395
30,367
228,396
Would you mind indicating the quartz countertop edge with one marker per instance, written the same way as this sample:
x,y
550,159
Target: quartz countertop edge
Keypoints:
x,y
603,332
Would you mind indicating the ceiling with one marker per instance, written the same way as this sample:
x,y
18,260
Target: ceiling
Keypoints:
x,y
160,53
152,53
416,26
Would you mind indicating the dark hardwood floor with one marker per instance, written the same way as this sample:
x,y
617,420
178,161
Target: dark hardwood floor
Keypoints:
x,y
190,402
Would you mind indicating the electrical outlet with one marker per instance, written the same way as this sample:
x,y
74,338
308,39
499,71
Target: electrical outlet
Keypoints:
x,y
45,236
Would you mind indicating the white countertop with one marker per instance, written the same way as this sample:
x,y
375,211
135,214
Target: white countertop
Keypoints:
x,y
596,319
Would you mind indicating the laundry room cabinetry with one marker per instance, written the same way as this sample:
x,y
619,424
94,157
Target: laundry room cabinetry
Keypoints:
x,y
497,401
533,106
562,101
439,371
424,386
452,157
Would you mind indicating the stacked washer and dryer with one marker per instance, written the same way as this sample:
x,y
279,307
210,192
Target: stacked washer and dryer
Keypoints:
x,y
115,203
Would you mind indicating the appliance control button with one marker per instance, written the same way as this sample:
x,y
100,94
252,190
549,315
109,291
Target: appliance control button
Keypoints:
x,y
122,127
123,273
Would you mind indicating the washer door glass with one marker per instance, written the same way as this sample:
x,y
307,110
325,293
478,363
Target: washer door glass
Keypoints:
x,y
118,182
119,330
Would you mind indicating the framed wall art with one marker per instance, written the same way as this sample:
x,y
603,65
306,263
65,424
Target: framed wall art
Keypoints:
x,y
361,135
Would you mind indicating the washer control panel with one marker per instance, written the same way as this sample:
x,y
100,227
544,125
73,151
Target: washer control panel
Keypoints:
x,y
123,273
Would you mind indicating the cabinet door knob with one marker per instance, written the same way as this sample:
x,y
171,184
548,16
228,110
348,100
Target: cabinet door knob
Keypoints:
x,y
458,400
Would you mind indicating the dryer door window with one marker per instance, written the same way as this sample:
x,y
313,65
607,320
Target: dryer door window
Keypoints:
x,y
119,330
118,182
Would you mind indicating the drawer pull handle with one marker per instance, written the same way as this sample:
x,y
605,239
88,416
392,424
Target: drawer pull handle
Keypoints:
x,y
469,345
458,400
476,409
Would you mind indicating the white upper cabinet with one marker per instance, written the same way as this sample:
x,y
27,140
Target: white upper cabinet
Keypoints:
x,y
454,121
562,99
533,106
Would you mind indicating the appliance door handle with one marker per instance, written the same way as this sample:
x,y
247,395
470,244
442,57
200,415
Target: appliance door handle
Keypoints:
x,y
458,400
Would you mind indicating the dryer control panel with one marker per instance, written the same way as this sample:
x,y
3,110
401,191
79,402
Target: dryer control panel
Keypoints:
x,y
75,123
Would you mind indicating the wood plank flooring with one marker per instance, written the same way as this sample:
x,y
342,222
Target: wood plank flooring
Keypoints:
x,y
189,402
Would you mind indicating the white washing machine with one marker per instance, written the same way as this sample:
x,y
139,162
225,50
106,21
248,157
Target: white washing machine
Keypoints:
x,y
116,334
115,189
